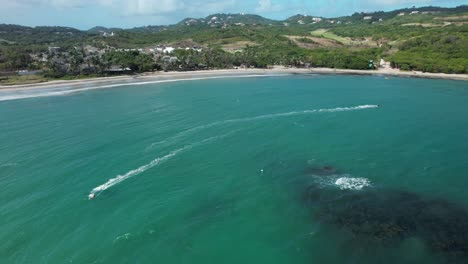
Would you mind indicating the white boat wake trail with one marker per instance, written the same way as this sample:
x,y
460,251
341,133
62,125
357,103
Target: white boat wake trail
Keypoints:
x,y
271,116
120,178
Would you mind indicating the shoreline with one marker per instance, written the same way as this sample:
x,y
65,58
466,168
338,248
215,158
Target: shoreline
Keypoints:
x,y
393,73
211,74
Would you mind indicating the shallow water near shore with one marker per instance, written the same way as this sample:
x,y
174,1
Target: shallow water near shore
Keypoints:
x,y
216,171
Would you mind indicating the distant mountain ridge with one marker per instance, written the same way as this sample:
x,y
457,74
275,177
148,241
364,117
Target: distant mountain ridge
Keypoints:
x,y
222,19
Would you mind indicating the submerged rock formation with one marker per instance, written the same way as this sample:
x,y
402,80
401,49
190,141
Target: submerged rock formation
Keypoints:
x,y
387,217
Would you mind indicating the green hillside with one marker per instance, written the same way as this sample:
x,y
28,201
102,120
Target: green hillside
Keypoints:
x,y
428,39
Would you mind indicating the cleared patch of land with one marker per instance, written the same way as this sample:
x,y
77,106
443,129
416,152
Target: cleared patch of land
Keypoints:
x,y
6,41
314,42
324,33
237,46
27,79
453,18
428,25
185,43
460,23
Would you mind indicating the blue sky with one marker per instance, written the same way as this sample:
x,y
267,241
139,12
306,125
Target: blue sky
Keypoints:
x,y
84,14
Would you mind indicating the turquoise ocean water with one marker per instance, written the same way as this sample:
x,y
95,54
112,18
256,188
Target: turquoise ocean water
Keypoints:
x,y
220,171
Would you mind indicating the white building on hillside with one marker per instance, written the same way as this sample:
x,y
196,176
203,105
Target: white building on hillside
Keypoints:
x,y
168,50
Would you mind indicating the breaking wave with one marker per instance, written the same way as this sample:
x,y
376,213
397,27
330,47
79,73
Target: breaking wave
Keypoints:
x,y
356,184
22,95
33,93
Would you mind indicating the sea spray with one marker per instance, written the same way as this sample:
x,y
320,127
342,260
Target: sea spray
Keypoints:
x,y
120,178
356,184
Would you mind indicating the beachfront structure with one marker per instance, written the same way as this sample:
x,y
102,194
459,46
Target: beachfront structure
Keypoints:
x,y
115,69
367,18
163,49
414,13
168,50
53,49
401,14
28,72
105,34
316,19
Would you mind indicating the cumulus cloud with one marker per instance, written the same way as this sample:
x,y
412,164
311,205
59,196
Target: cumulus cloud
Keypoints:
x,y
405,3
267,6
166,7
54,3
139,12
121,13
131,7
399,2
150,7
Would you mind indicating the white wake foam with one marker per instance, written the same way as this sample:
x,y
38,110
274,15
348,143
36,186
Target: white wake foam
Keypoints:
x,y
8,165
120,178
271,116
346,183
327,110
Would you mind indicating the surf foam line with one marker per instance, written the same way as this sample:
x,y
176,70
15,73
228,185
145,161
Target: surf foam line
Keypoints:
x,y
271,116
120,178
17,95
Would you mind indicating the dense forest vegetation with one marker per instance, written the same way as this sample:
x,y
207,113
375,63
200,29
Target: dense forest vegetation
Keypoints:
x,y
429,39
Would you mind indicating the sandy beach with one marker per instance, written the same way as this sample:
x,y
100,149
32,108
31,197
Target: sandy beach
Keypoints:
x,y
108,82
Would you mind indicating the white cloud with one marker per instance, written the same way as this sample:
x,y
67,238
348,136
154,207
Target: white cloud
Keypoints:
x,y
399,2
54,3
168,7
402,3
265,6
127,13
150,7
133,7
